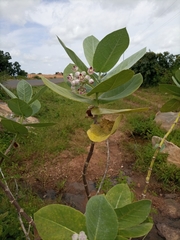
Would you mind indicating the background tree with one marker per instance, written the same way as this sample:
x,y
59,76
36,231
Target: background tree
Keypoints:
x,y
7,67
157,67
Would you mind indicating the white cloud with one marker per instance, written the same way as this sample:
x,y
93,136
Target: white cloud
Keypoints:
x,y
29,28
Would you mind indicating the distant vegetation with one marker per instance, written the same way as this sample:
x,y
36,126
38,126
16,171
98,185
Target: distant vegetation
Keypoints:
x,y
8,68
157,67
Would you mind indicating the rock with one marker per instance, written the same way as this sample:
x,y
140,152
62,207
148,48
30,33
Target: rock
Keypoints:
x,y
6,112
166,119
168,232
171,209
171,149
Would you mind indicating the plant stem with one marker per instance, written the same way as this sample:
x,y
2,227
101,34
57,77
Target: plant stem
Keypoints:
x,y
85,170
107,166
156,153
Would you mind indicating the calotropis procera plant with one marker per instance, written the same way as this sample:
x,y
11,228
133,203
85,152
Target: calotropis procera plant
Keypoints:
x,y
23,105
100,83
115,216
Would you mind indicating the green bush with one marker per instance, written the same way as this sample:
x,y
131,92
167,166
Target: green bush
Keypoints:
x,y
145,127
168,174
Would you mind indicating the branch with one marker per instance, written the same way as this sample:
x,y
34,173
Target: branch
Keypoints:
x,y
85,169
107,166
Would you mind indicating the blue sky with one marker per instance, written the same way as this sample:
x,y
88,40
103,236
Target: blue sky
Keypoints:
x,y
28,28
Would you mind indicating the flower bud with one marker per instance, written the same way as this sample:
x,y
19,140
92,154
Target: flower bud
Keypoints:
x,y
73,83
70,77
77,74
75,68
83,73
76,81
91,81
90,70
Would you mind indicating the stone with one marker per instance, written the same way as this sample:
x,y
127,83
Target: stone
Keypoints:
x,y
171,209
166,119
169,233
171,149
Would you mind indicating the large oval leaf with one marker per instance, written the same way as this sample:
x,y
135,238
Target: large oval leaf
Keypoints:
x,y
110,49
126,64
171,105
137,231
101,220
113,82
172,89
101,131
14,127
89,44
36,105
119,195
123,91
77,61
133,214
9,93
59,222
38,94
24,91
66,93
19,107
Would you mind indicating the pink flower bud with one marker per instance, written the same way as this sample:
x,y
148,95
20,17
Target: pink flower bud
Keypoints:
x,y
70,77
90,70
83,73
77,74
91,81
75,68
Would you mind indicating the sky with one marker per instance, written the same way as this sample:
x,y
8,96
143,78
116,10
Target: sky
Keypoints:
x,y
29,28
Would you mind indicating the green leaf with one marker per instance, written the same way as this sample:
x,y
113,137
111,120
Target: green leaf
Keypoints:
x,y
3,156
113,82
123,91
171,105
133,214
174,90
176,81
119,237
73,56
9,93
119,195
38,94
109,50
59,222
39,124
101,220
102,111
19,107
24,91
14,127
126,64
36,105
66,93
177,75
89,44
137,231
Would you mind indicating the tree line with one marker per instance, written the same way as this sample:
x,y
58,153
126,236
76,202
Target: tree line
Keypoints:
x,y
10,68
157,68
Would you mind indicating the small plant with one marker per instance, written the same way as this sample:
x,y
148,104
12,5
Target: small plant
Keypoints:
x,y
22,105
107,217
171,105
